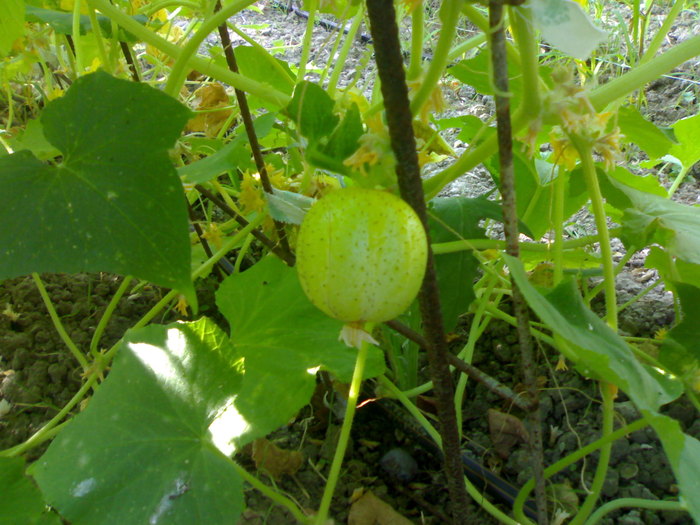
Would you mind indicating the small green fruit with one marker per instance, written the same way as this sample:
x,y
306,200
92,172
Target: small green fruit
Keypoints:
x,y
361,255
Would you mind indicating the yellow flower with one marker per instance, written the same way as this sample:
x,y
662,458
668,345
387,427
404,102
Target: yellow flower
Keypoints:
x,y
369,152
251,198
181,305
213,234
561,364
564,153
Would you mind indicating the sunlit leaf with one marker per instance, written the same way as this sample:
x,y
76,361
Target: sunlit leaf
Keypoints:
x,y
11,23
566,26
152,445
284,340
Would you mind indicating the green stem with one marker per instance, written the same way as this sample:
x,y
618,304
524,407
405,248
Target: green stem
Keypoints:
x,y
417,35
449,16
58,325
47,431
642,74
634,502
558,221
157,6
306,44
677,182
75,28
272,494
97,30
353,394
597,203
107,315
661,34
344,51
608,393
205,66
524,33
181,67
569,460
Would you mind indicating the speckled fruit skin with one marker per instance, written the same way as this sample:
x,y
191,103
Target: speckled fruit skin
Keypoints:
x,y
361,255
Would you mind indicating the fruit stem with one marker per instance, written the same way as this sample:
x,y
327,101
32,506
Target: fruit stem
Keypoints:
x,y
344,436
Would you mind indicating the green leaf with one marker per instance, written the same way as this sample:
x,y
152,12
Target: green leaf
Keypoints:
x,y
152,445
256,63
284,339
227,157
62,22
453,219
687,149
115,203
656,219
21,500
683,452
33,139
287,206
344,140
565,25
671,269
598,351
643,133
680,351
11,24
476,72
311,108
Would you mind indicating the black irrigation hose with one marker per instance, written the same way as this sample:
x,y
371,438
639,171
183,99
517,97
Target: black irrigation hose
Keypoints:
x,y
479,475
289,7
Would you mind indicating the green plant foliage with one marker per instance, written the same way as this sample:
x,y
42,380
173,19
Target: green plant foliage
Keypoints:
x,y
62,22
114,203
655,219
476,72
11,24
451,220
654,141
283,338
599,352
33,139
256,63
153,444
680,351
21,500
687,148
233,155
311,108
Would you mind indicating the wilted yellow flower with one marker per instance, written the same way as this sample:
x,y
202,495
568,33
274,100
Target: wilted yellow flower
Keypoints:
x,y
370,152
181,305
564,152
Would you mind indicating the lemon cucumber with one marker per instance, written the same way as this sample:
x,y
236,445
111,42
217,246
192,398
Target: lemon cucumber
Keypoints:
x,y
361,255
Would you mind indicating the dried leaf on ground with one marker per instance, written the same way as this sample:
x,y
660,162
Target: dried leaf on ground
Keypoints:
x,y
276,461
506,431
368,509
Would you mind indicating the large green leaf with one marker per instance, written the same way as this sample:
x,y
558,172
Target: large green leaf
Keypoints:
x,y
11,24
600,352
687,149
643,133
152,444
21,501
114,203
284,339
311,108
453,219
680,351
655,219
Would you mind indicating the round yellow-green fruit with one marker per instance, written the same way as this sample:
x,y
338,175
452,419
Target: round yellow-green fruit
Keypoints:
x,y
361,255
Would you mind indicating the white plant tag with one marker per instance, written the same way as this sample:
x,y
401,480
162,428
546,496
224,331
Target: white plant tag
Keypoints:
x,y
566,26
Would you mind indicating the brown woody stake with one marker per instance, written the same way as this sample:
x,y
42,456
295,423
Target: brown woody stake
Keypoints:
x,y
385,35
